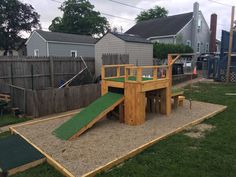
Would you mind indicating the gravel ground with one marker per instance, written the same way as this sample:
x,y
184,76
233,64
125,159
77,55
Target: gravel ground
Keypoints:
x,y
109,139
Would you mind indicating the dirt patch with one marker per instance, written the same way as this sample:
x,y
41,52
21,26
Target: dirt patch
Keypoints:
x,y
199,131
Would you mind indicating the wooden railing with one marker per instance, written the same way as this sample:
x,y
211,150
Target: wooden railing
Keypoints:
x,y
135,73
156,73
118,70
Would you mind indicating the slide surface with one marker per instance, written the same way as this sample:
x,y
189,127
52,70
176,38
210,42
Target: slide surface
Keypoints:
x,y
88,116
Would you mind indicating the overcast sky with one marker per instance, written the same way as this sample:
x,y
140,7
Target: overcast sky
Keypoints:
x,y
48,10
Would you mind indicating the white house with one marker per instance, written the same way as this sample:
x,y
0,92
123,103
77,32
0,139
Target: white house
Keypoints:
x,y
140,50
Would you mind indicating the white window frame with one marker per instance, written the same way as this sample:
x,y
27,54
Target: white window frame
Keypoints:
x,y
207,47
198,47
188,43
36,52
73,51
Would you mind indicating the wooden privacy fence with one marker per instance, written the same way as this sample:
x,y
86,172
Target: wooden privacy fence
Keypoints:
x,y
41,73
37,103
44,102
114,59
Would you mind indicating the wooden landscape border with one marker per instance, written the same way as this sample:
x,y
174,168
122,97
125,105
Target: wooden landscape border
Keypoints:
x,y
118,160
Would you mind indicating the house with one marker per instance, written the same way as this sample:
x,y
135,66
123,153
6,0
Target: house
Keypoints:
x,y
18,50
188,28
140,50
44,43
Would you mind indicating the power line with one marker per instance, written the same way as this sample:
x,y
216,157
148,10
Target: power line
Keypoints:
x,y
217,2
128,5
106,14
116,16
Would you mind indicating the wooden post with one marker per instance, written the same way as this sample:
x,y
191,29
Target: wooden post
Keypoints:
x,y
121,113
103,72
12,75
32,77
126,74
230,45
154,73
118,71
51,72
169,69
139,75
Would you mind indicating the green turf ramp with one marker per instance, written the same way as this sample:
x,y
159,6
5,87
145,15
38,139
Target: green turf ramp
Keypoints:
x,y
83,118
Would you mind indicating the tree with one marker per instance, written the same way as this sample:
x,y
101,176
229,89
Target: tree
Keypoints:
x,y
15,17
79,18
152,13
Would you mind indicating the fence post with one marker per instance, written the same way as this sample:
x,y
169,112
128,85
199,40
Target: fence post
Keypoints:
x,y
11,74
52,72
32,77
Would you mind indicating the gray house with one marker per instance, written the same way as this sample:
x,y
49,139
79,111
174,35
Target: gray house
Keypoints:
x,y
188,28
140,50
44,43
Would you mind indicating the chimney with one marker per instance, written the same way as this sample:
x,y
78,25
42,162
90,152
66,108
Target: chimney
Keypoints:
x,y
213,26
195,25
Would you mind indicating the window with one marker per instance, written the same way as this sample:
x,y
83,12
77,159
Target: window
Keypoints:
x,y
207,48
10,53
36,52
73,53
199,25
188,43
198,47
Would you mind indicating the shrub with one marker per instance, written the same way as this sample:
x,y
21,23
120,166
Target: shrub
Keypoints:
x,y
161,51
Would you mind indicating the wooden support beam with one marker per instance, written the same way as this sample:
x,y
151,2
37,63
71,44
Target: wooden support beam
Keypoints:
x,y
118,71
155,73
139,75
121,113
102,72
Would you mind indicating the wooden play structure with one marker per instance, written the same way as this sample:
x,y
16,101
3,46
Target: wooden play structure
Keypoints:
x,y
132,90
152,93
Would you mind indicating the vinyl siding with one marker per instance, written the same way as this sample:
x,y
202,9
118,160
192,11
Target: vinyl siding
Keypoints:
x,y
203,36
63,50
36,42
186,34
108,44
140,54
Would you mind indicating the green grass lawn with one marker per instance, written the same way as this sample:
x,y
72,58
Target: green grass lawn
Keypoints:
x,y
8,119
180,156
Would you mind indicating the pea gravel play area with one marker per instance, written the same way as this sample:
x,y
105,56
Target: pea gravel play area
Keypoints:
x,y
109,140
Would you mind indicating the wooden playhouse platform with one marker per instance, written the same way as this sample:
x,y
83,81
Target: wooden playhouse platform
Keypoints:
x,y
108,142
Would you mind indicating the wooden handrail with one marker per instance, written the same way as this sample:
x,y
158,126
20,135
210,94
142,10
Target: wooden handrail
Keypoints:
x,y
147,67
115,66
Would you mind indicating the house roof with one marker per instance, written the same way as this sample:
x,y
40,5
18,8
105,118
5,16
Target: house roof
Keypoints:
x,y
131,38
164,26
65,37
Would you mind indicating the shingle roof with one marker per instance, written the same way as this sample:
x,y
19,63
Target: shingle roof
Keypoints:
x,y
65,37
131,38
164,26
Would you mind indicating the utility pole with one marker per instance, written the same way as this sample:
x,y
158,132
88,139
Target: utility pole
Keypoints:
x,y
230,45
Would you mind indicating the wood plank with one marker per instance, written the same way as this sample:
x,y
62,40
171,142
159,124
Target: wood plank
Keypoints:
x,y
26,167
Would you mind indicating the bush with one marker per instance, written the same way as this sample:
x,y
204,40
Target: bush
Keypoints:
x,y
161,51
